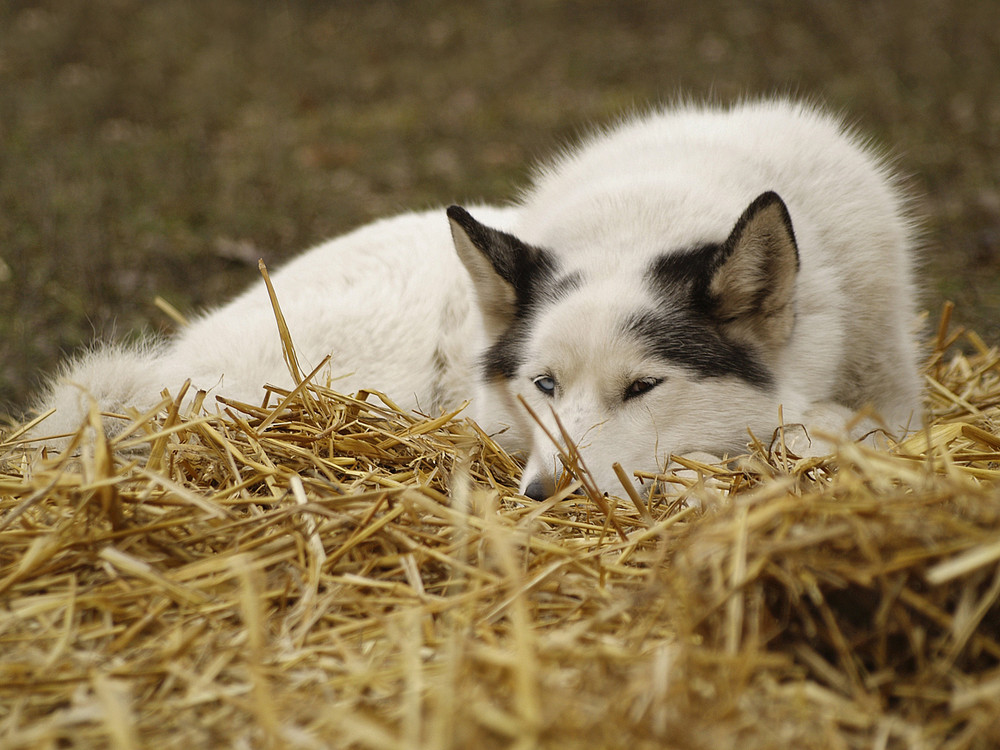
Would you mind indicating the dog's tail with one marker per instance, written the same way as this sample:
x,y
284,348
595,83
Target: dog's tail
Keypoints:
x,y
114,377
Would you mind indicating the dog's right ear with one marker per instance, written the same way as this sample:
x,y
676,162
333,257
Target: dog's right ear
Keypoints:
x,y
503,269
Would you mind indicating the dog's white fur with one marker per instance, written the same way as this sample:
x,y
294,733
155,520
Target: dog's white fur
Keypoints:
x,y
389,302
400,311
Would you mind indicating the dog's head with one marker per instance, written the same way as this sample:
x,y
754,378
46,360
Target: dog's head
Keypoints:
x,y
633,363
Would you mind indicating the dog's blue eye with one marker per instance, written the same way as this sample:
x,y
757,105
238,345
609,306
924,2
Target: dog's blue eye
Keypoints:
x,y
546,384
640,386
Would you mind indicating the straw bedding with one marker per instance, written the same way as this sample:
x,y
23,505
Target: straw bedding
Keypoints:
x,y
325,571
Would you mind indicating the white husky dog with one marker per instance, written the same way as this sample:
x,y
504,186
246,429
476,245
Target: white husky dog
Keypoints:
x,y
662,287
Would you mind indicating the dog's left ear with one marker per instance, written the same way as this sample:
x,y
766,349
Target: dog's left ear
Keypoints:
x,y
503,269
751,290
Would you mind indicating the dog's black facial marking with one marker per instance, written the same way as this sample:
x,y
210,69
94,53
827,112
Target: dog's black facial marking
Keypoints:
x,y
502,359
686,328
684,276
688,339
561,286
689,269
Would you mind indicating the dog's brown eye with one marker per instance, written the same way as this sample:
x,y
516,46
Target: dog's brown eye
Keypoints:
x,y
640,386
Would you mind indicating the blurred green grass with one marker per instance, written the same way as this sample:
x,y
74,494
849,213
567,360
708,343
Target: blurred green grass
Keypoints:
x,y
159,148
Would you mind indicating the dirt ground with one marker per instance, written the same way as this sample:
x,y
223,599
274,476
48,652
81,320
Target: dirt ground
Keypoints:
x,y
160,148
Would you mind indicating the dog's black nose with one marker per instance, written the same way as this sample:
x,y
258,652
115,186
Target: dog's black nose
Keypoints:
x,y
539,489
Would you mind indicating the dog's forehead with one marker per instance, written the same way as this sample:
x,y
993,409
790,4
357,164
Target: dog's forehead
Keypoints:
x,y
588,326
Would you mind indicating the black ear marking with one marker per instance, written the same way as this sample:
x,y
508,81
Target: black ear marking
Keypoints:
x,y
516,262
505,271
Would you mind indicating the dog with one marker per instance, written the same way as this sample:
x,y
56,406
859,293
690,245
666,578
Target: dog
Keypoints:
x,y
662,287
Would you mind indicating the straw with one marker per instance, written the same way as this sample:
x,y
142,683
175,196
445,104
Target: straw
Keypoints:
x,y
329,571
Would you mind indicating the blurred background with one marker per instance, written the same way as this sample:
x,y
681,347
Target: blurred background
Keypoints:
x,y
159,148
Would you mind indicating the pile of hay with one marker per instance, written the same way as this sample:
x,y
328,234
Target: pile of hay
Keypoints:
x,y
325,571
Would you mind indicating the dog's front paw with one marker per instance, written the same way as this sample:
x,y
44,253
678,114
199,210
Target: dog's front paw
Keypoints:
x,y
824,426
694,469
